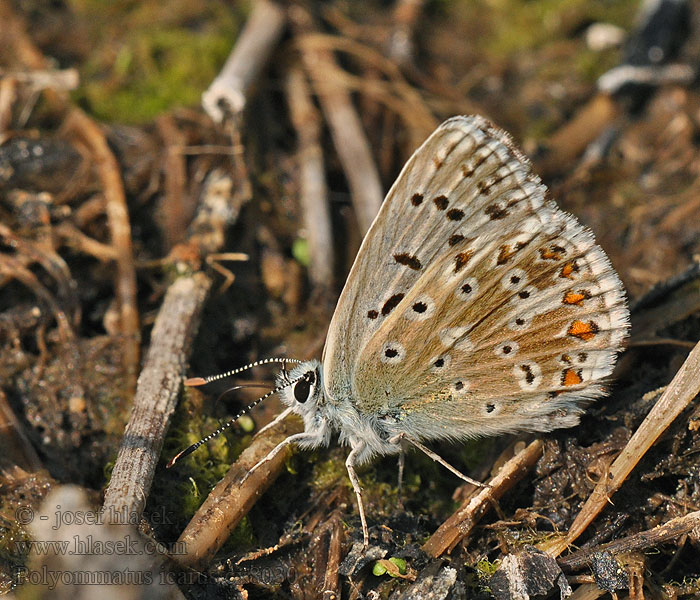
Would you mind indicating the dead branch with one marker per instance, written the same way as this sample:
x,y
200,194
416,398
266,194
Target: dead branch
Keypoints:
x,y
120,229
156,395
345,125
313,192
633,543
229,91
461,523
682,389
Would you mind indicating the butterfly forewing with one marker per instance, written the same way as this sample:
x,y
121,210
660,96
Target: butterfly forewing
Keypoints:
x,y
475,305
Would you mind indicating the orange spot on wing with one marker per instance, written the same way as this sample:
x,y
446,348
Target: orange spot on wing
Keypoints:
x,y
462,259
571,377
552,253
576,298
569,269
583,331
505,254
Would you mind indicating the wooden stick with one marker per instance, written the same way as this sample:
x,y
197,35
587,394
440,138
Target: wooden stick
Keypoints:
x,y
313,191
682,389
345,125
461,523
228,93
639,541
160,381
232,498
156,396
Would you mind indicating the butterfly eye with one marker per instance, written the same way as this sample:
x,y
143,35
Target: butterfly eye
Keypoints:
x,y
302,388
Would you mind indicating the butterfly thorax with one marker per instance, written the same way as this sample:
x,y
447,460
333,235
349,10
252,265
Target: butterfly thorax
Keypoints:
x,y
324,416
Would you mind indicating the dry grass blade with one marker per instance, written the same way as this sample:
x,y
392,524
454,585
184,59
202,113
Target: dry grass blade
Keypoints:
x,y
349,138
684,387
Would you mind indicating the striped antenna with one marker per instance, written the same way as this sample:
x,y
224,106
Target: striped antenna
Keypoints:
x,y
195,381
228,424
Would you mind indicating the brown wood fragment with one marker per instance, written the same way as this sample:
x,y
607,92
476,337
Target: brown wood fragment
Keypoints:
x,y
232,498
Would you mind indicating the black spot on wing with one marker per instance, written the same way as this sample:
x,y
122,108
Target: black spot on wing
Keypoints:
x,y
391,303
408,260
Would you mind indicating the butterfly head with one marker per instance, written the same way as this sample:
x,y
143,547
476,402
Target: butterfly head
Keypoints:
x,y
302,388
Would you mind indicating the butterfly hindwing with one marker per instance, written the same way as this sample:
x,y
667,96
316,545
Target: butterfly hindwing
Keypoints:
x,y
475,305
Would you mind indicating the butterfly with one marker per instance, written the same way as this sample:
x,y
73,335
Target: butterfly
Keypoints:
x,y
475,307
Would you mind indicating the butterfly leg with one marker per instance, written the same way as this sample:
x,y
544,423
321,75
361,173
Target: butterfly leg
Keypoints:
x,y
399,487
436,457
350,466
278,419
292,439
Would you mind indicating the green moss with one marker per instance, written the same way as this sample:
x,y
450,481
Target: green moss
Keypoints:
x,y
180,491
149,57
517,25
590,64
486,568
329,473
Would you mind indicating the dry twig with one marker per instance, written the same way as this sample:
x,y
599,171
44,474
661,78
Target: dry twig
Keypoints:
x,y
313,191
156,396
345,126
228,93
461,523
